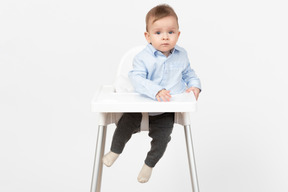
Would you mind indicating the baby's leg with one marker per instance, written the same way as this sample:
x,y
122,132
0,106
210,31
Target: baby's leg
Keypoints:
x,y
161,127
128,124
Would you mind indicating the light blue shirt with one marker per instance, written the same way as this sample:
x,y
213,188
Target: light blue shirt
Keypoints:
x,y
153,71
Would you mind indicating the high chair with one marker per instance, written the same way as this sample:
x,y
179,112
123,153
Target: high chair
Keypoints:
x,y
112,101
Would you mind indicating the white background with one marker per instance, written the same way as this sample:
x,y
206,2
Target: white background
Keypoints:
x,y
55,54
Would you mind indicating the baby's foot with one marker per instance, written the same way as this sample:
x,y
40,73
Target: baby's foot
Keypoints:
x,y
145,174
110,158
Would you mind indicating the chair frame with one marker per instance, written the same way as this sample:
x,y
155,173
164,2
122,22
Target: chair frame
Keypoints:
x,y
109,118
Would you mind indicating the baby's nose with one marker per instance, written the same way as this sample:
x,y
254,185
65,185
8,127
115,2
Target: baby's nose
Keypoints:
x,y
165,36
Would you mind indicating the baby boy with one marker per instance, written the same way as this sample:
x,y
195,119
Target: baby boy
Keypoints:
x,y
159,71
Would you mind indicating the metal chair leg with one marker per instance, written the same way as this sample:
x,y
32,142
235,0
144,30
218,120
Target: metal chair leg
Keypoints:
x,y
98,166
191,158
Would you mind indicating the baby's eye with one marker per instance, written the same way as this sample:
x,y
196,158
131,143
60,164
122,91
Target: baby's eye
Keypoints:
x,y
171,32
158,33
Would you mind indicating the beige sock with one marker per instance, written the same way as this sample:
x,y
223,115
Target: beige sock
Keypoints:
x,y
145,174
110,158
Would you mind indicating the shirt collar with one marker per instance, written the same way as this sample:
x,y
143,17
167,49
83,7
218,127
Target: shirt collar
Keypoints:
x,y
154,51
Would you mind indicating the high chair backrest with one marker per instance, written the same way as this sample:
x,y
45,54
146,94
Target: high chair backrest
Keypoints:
x,y
122,82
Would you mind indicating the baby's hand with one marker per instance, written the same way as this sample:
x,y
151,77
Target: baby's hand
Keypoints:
x,y
163,95
195,90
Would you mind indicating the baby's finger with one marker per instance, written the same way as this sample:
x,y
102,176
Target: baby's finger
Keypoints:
x,y
163,98
158,98
196,93
167,97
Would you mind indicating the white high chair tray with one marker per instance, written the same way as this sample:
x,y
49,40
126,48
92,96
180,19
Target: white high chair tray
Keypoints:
x,y
108,101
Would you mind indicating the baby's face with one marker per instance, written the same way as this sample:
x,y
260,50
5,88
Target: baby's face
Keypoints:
x,y
163,34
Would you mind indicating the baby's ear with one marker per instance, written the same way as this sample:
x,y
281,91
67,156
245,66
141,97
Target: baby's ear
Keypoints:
x,y
147,36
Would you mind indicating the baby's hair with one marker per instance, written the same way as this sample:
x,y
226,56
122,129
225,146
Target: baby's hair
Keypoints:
x,y
159,12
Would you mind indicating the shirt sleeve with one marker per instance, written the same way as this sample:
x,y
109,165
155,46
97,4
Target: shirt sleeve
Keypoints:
x,y
189,76
138,77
